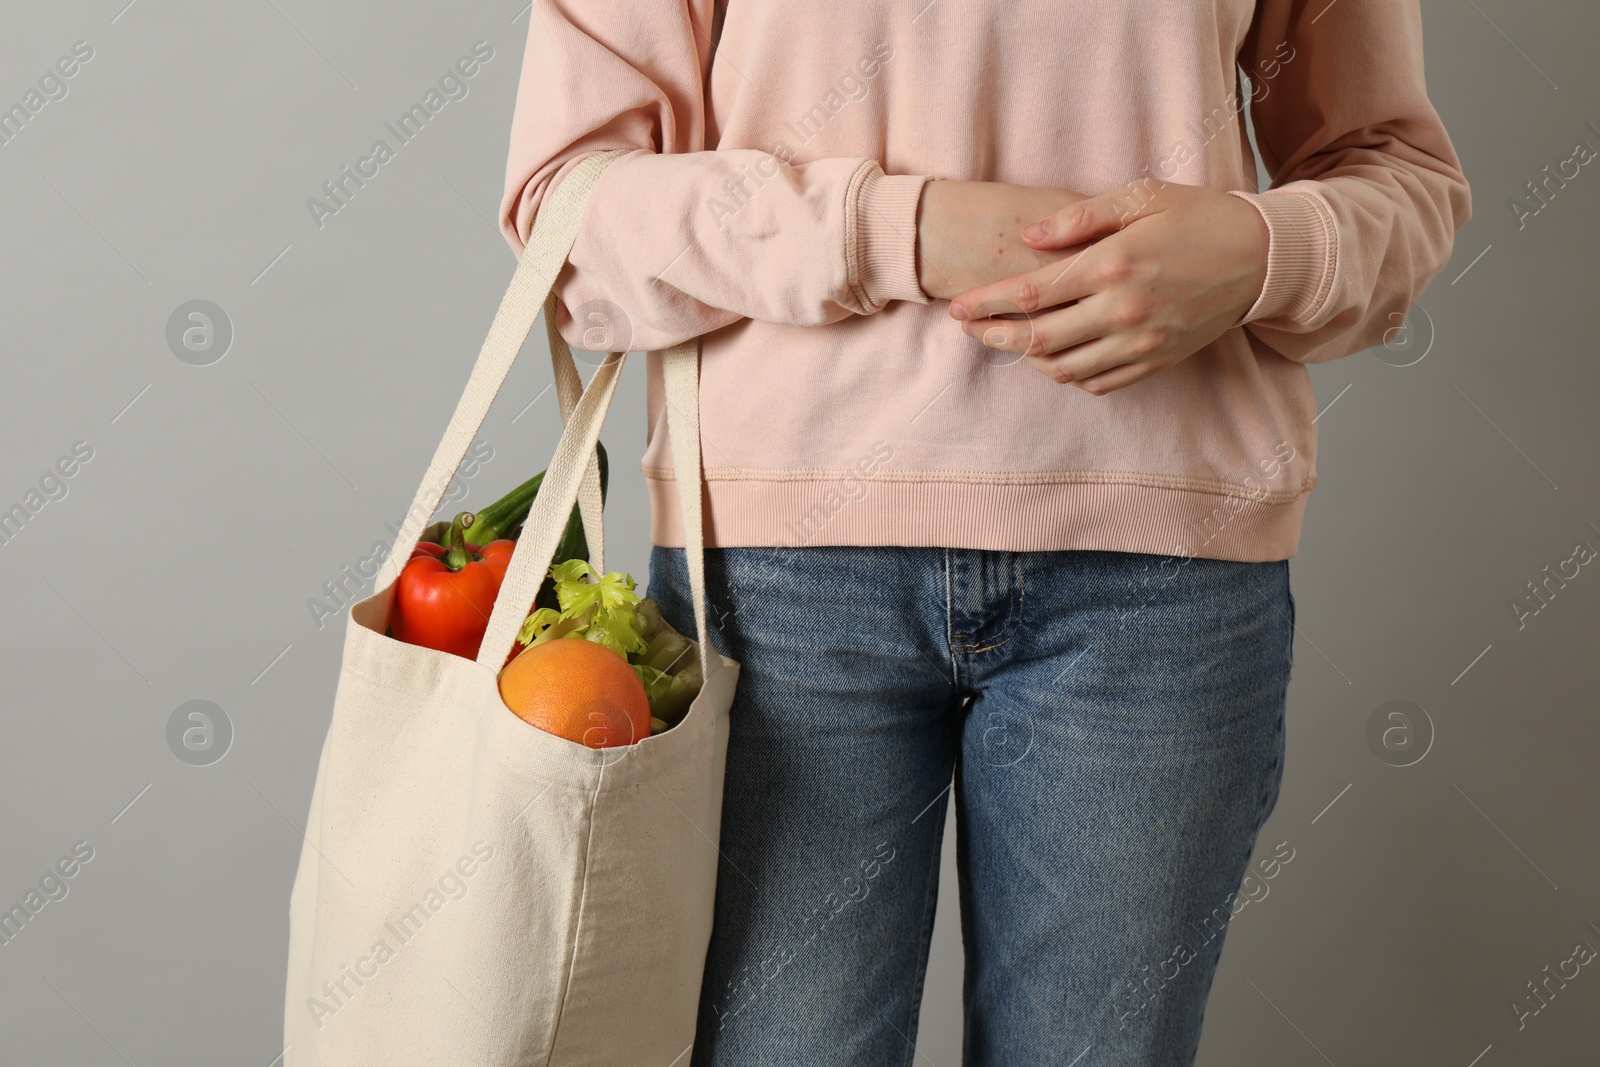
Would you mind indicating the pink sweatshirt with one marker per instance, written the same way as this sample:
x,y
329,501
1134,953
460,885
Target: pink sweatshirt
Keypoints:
x,y
770,206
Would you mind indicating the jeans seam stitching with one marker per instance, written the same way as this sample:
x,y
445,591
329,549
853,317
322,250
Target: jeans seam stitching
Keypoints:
x,y
929,906
950,623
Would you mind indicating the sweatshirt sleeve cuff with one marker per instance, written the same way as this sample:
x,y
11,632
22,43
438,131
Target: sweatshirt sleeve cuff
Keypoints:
x,y
883,225
1302,254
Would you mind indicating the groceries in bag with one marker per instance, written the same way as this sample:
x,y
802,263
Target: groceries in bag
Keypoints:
x,y
594,662
445,592
643,684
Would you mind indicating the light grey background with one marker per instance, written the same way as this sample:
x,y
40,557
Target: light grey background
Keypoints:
x,y
1420,900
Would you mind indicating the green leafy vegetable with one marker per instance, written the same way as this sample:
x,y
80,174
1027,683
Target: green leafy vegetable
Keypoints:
x,y
608,611
603,611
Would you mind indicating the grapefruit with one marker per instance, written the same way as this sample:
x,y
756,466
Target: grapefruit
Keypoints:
x,y
579,690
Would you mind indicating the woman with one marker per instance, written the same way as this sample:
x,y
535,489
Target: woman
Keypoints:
x,y
1008,435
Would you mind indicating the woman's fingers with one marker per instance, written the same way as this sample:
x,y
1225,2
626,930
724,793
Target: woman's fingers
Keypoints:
x,y
1084,344
1073,278
1100,265
1135,302
1046,332
1068,344
1086,220
1119,377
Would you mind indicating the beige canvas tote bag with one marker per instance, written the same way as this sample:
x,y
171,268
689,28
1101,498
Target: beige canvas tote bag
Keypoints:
x,y
473,891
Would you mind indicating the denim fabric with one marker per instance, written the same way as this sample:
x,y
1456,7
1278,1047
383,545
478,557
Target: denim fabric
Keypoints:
x,y
1113,726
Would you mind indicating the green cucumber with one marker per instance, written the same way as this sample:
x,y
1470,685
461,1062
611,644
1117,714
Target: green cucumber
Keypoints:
x,y
504,518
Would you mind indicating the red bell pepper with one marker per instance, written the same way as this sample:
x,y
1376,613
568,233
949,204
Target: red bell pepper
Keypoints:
x,y
442,601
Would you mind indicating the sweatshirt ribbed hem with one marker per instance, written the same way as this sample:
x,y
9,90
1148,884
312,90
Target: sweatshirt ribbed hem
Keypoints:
x,y
1044,512
885,264
1302,250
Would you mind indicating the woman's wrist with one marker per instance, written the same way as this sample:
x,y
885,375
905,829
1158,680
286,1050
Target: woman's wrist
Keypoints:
x,y
969,233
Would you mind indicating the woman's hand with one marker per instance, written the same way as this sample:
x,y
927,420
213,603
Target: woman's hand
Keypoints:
x,y
1171,268
968,233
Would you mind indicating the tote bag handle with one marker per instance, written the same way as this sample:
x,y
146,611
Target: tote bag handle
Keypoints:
x,y
569,387
573,474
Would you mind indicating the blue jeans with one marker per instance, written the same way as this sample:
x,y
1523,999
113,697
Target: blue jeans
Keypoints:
x,y
1113,727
